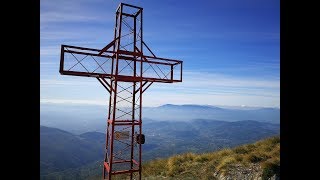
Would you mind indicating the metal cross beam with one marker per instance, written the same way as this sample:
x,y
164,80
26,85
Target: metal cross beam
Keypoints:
x,y
126,71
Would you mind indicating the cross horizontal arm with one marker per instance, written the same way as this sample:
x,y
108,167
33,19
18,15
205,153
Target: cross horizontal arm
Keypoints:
x,y
89,62
78,49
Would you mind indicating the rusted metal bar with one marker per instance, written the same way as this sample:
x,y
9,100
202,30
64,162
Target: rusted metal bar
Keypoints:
x,y
61,59
115,95
87,53
158,58
124,120
128,78
127,53
131,6
121,161
141,87
120,77
125,171
181,73
105,81
140,103
171,72
106,166
135,162
104,85
127,124
130,15
134,94
137,14
147,87
107,46
149,49
82,48
148,61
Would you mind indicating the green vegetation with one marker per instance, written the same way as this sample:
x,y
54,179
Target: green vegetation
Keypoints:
x,y
92,171
67,155
265,154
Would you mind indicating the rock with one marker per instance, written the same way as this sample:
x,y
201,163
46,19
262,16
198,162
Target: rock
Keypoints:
x,y
251,172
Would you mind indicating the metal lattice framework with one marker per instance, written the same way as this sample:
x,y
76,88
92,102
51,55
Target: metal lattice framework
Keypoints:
x,y
126,72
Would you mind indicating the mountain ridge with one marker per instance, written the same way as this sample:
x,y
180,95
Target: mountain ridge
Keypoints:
x,y
258,160
61,150
80,119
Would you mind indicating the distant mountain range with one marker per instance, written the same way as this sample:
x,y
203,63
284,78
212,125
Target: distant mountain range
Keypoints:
x,y
259,160
189,112
63,151
83,118
165,138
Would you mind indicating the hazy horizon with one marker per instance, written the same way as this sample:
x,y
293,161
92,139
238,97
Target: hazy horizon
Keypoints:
x,y
81,103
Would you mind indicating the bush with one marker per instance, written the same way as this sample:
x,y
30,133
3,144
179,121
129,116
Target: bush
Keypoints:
x,y
253,158
225,163
240,150
275,140
270,168
155,167
201,158
225,152
239,157
179,164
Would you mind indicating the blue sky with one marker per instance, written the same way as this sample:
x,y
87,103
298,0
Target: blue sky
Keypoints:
x,y
230,49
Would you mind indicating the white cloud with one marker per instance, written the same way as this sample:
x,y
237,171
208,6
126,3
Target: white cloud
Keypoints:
x,y
50,17
69,82
73,101
209,79
196,88
60,20
50,51
57,11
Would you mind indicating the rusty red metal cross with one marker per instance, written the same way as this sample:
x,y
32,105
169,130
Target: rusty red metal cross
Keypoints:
x,y
126,71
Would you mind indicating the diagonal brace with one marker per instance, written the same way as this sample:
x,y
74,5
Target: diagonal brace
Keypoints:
x,y
143,90
105,84
108,46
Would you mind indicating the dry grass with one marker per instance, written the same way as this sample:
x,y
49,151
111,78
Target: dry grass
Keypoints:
x,y
202,166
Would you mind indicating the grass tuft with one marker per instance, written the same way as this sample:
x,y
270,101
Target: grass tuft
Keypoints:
x,y
266,153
